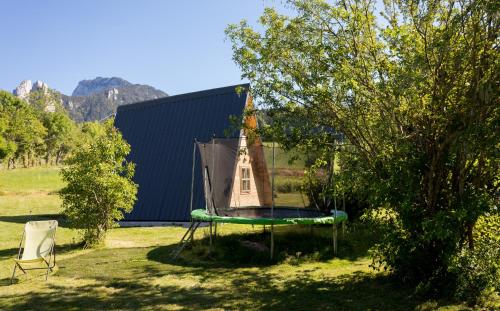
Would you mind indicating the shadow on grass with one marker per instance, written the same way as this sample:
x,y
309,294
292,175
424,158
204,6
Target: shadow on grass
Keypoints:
x,y
249,290
22,219
11,253
125,279
292,245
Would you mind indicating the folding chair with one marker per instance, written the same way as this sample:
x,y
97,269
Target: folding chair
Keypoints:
x,y
39,239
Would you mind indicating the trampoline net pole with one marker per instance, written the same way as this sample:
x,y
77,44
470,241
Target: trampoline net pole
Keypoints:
x,y
213,182
334,202
335,239
343,209
334,181
272,241
272,182
272,206
192,179
205,183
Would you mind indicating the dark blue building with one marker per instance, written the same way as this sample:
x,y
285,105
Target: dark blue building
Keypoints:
x,y
161,133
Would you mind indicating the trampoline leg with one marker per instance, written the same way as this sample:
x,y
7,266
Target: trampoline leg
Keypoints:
x,y
215,230
335,239
186,238
272,241
210,235
191,235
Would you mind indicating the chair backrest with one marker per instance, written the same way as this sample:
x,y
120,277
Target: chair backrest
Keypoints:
x,y
39,238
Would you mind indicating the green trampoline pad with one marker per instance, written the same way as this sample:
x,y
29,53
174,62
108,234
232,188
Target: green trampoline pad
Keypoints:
x,y
335,218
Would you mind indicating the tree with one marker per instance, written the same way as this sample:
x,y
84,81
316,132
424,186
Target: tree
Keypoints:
x,y
23,132
47,105
59,127
7,148
415,94
99,182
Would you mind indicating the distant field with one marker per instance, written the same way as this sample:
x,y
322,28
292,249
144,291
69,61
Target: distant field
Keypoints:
x,y
134,271
30,180
283,159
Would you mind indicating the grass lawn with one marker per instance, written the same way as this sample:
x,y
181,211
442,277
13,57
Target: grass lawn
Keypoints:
x,y
133,270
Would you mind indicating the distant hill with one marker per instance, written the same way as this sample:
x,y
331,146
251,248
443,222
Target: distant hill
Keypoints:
x,y
99,84
98,98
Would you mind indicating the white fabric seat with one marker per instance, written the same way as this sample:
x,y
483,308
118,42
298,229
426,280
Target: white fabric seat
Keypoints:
x,y
39,245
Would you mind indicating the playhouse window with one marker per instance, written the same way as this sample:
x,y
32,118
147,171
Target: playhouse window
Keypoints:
x,y
245,179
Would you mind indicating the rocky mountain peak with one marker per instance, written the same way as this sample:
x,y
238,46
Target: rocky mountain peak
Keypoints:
x,y
99,84
40,85
24,89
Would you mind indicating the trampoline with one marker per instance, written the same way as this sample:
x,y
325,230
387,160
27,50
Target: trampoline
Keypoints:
x,y
240,189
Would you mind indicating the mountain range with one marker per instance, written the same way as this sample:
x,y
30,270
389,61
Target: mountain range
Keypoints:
x,y
95,99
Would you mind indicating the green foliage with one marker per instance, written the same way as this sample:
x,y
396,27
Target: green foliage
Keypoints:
x,y
29,132
478,269
417,98
99,182
287,184
60,135
41,100
320,183
22,131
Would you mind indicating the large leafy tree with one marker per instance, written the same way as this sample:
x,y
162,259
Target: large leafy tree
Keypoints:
x,y
99,182
416,94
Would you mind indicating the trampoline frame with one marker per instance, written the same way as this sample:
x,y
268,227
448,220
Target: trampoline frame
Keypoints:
x,y
199,216
335,218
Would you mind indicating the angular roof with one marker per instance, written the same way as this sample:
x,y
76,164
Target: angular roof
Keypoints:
x,y
161,133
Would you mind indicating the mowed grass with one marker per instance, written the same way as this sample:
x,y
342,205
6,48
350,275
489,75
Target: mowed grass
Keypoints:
x,y
134,270
39,179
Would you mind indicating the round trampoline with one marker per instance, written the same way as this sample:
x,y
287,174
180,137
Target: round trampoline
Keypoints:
x,y
239,188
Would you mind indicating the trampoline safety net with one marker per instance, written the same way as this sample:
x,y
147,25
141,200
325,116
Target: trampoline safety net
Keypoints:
x,y
243,178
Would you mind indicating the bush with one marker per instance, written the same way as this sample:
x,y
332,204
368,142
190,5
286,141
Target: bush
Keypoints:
x,y
99,182
288,185
477,270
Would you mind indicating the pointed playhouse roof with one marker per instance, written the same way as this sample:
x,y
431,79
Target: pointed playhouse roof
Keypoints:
x,y
161,133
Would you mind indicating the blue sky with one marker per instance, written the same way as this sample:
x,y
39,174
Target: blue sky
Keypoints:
x,y
175,46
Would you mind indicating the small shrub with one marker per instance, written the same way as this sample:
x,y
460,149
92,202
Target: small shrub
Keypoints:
x,y
99,182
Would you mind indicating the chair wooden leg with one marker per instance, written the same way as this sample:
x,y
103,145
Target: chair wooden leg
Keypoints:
x,y
13,274
47,274
21,268
48,268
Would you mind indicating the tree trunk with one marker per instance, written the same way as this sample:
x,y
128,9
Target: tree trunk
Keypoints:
x,y
470,236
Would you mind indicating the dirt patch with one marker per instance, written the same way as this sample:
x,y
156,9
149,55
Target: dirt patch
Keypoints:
x,y
287,172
